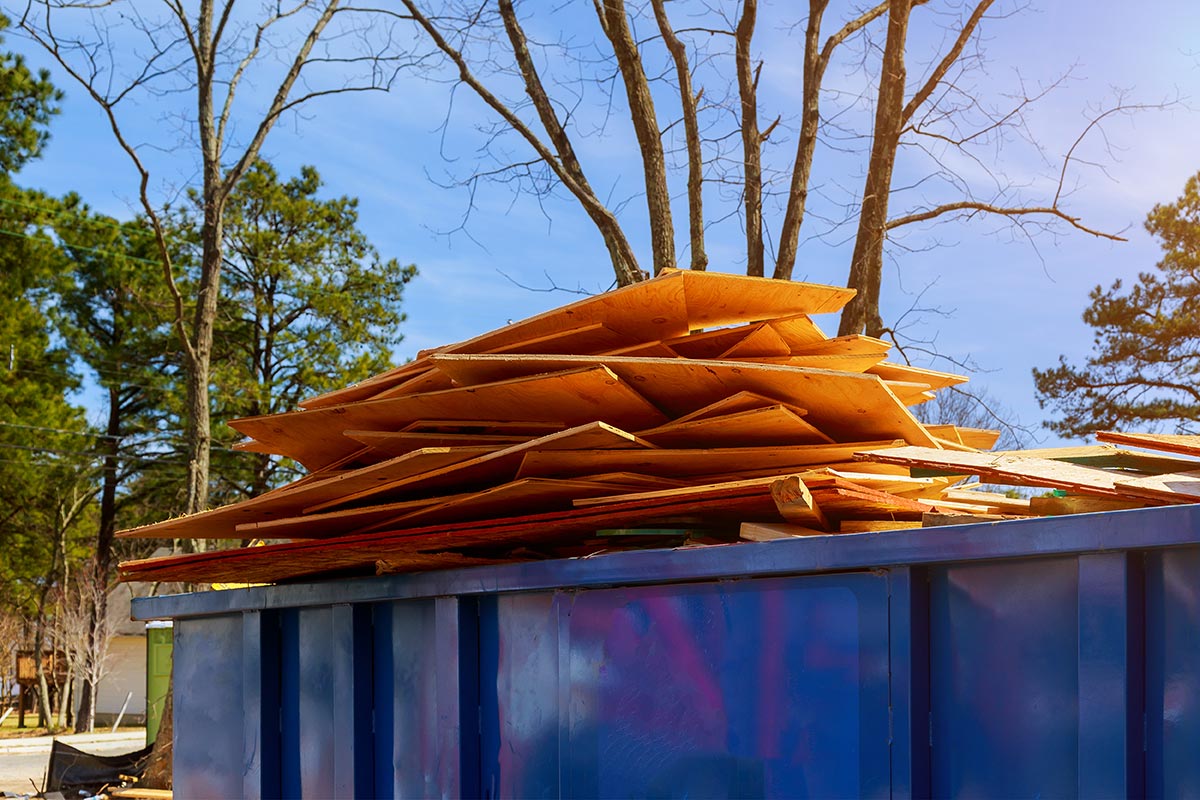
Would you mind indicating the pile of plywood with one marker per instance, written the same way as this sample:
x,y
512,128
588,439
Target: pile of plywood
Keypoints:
x,y
689,409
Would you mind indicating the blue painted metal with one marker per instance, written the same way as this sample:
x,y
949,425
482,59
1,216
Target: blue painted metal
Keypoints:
x,y
1049,658
1173,673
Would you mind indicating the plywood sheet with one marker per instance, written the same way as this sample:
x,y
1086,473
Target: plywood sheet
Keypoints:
x,y
491,468
855,344
314,438
1021,471
1175,487
844,406
931,377
687,463
387,444
1171,443
762,427
337,523
739,401
304,559
222,523
762,342
525,496
798,330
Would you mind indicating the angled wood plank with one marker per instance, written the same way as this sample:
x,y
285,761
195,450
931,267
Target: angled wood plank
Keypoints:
x,y
1176,487
844,362
679,493
489,469
1018,470
647,350
854,344
710,344
843,405
715,298
762,342
933,378
397,443
314,438
979,438
368,386
488,427
308,558
739,401
525,496
798,330
947,433
222,523
688,463
1182,444
772,425
336,523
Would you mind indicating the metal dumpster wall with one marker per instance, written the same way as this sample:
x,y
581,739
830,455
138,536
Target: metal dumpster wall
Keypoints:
x,y
1066,663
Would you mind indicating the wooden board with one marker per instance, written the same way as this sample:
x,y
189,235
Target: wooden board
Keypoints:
x,y
1171,443
222,523
679,493
306,559
995,468
391,444
526,496
684,463
979,438
798,330
772,531
739,401
843,362
844,406
1173,487
855,344
935,379
337,523
797,505
760,427
872,525
489,469
314,438
489,427
762,342
1080,504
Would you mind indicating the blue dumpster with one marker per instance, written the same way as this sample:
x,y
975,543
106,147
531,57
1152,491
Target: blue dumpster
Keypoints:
x,y
1049,657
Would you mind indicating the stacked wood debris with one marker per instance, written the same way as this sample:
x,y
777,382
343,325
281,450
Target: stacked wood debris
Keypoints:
x,y
694,408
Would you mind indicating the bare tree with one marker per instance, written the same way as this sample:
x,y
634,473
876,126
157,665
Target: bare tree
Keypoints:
x,y
84,636
930,122
209,53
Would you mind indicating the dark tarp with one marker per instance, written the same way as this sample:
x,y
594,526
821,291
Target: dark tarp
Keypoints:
x,y
72,769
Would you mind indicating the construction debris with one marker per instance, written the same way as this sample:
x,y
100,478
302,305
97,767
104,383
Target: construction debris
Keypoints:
x,y
693,408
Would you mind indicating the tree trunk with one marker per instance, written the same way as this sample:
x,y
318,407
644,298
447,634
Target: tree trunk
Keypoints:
x,y
645,124
199,429
861,314
158,774
691,128
747,78
102,559
806,144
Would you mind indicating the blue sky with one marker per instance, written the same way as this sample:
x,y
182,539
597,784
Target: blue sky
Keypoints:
x,y
1005,303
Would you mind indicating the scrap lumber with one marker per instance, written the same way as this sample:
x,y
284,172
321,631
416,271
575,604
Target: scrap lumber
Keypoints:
x,y
1013,469
693,409
769,532
759,427
1183,444
573,397
796,504
669,305
729,461
846,406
